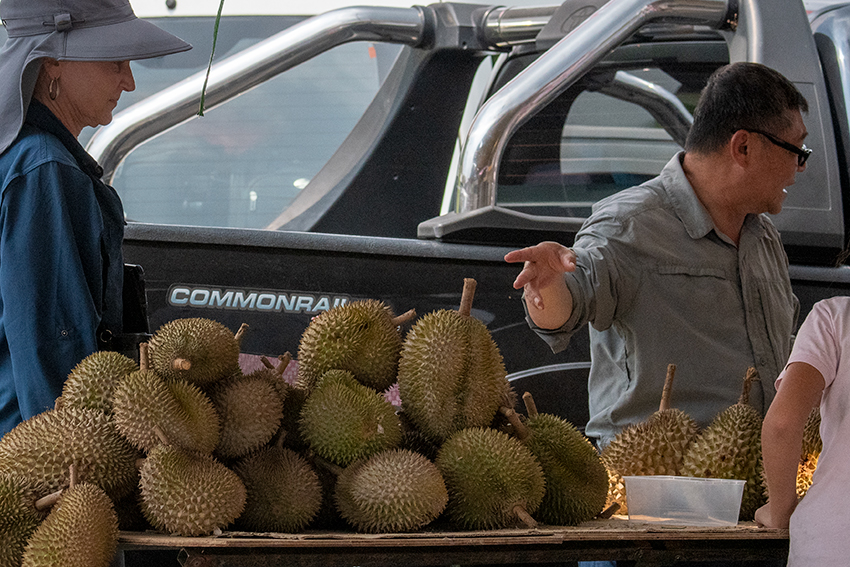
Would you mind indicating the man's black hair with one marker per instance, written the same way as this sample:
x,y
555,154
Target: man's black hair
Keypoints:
x,y
742,96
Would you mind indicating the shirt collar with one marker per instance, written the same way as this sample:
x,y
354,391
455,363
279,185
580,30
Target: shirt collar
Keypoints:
x,y
687,205
41,117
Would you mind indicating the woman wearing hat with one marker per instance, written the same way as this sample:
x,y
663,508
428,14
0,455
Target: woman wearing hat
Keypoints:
x,y
63,67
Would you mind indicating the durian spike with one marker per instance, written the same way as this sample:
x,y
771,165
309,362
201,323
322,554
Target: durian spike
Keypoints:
x,y
752,376
143,357
48,501
57,405
530,406
521,430
404,317
181,364
241,333
469,285
668,387
525,517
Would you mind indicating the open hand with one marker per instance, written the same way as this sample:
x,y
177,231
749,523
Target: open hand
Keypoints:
x,y
545,264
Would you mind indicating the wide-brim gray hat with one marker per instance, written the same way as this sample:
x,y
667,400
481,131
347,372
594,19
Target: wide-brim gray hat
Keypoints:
x,y
69,30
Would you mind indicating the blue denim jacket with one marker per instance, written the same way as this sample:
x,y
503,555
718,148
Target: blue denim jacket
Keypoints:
x,y
659,285
61,265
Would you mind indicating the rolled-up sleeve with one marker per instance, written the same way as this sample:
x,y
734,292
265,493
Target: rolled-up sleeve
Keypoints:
x,y
593,284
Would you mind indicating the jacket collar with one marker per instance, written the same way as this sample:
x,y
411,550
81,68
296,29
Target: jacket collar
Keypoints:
x,y
41,117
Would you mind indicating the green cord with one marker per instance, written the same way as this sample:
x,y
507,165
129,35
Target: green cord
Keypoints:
x,y
212,54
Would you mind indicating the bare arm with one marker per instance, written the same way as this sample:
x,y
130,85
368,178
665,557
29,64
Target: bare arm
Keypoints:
x,y
549,302
782,439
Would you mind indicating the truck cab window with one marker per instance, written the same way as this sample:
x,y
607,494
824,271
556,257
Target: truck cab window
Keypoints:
x,y
243,162
592,141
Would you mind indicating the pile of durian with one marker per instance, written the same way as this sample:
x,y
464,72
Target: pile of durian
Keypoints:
x,y
389,424
382,423
671,443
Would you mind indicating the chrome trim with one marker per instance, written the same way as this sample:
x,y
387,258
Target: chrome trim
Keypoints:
x,y
552,73
513,26
663,105
246,69
561,367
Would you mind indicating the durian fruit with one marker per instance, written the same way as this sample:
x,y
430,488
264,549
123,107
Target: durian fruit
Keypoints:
x,y
19,517
392,491
91,382
80,531
283,491
343,420
361,337
451,375
656,446
197,350
250,408
145,405
576,479
43,447
730,447
493,479
810,452
189,493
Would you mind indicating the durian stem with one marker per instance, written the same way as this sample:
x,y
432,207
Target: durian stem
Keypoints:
x,y
284,359
161,435
609,511
181,364
469,285
48,501
278,370
72,475
143,357
240,333
404,318
520,429
336,470
668,387
524,516
752,376
530,406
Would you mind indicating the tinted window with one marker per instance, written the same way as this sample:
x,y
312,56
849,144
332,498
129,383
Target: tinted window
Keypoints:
x,y
242,163
589,144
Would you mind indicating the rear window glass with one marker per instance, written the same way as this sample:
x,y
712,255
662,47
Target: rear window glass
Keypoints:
x,y
243,162
587,145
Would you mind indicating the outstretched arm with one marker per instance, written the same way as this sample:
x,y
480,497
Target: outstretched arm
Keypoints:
x,y
549,302
782,438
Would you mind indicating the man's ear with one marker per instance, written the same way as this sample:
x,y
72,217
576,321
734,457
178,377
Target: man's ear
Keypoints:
x,y
739,149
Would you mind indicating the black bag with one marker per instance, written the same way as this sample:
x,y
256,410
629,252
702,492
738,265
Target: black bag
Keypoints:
x,y
135,318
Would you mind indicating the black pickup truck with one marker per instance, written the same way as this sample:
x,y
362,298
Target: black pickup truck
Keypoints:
x,y
480,129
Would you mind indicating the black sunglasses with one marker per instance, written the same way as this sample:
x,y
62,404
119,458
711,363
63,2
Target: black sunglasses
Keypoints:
x,y
801,153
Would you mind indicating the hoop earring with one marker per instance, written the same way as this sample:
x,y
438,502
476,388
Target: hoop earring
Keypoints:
x,y
53,88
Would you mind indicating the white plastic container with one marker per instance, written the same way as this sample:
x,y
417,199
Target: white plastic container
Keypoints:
x,y
682,500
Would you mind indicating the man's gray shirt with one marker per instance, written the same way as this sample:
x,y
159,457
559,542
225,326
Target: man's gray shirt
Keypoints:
x,y
659,285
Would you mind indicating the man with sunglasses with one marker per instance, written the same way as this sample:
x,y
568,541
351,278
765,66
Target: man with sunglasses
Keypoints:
x,y
684,269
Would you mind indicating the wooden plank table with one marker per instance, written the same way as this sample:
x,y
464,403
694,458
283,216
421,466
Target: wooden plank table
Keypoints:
x,y
614,539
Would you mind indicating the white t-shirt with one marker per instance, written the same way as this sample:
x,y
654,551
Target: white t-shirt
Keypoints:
x,y
820,526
